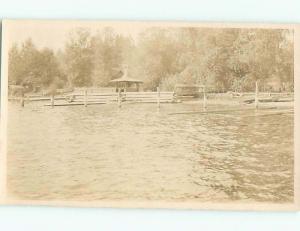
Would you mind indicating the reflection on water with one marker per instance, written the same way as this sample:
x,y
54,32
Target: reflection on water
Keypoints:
x,y
136,152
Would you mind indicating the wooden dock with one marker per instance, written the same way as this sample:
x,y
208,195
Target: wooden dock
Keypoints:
x,y
86,97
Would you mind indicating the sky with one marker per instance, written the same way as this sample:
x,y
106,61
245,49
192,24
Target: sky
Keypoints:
x,y
53,34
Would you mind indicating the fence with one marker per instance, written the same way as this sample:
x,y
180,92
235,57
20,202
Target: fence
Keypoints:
x,y
89,97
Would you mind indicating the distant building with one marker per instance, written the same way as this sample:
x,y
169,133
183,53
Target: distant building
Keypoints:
x,y
192,90
274,84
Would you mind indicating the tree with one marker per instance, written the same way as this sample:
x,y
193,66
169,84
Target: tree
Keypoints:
x,y
14,65
109,56
224,59
79,58
157,56
33,68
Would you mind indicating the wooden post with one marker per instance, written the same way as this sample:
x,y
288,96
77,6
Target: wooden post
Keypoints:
x,y
52,100
256,95
125,93
158,97
204,97
22,101
85,97
119,97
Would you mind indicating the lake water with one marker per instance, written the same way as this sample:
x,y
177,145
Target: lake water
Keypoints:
x,y
136,152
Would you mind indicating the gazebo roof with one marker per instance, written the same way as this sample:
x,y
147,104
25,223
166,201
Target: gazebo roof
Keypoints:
x,y
126,79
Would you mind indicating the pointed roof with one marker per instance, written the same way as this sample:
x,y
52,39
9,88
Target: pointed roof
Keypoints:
x,y
126,79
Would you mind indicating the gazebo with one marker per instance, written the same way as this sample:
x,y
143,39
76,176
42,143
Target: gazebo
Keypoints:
x,y
189,89
125,82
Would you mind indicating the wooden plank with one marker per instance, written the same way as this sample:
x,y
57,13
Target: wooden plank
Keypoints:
x,y
150,95
90,101
45,99
96,97
220,111
36,99
151,100
146,97
73,104
141,100
150,92
270,99
115,98
270,114
92,94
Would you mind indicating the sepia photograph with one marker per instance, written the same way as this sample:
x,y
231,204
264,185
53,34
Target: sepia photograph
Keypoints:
x,y
149,114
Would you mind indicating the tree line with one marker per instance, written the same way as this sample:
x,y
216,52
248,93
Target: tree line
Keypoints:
x,y
224,59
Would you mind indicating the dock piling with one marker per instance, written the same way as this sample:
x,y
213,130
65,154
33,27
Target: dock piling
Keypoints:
x,y
119,97
52,100
256,95
125,94
85,97
158,97
204,98
22,101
